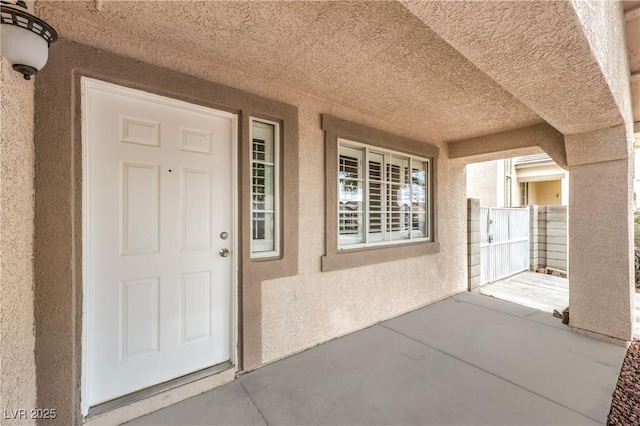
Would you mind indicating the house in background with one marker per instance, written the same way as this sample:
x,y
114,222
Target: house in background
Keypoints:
x,y
514,182
541,181
192,190
491,182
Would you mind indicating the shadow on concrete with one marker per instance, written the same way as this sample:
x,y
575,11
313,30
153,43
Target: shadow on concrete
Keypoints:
x,y
468,359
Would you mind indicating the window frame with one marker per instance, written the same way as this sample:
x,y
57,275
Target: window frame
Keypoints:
x,y
524,194
398,155
336,258
507,191
276,193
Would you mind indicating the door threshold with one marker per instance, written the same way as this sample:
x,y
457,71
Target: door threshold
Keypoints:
x,y
156,389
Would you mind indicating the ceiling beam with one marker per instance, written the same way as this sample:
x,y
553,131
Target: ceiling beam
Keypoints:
x,y
512,143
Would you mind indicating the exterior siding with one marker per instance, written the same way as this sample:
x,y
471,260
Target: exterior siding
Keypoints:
x,y
17,371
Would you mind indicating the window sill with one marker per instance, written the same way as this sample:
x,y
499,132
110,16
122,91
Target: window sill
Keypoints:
x,y
353,258
266,258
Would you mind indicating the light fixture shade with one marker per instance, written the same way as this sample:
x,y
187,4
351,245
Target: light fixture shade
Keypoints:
x,y
25,38
23,47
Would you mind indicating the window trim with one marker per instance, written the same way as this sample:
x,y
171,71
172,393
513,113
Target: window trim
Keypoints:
x,y
336,258
276,182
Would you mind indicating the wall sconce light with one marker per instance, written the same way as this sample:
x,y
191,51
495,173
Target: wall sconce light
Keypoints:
x,y
25,38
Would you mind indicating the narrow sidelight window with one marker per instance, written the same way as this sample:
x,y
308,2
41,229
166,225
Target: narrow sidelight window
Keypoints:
x,y
382,196
264,189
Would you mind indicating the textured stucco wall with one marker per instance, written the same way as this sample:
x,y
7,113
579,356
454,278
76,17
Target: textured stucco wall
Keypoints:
x,y
600,248
604,26
17,338
538,51
512,143
482,183
602,145
601,234
314,306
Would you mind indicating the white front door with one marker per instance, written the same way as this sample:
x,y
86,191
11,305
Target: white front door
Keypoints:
x,y
157,204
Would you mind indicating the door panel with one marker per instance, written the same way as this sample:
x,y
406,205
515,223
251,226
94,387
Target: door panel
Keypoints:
x,y
139,214
157,196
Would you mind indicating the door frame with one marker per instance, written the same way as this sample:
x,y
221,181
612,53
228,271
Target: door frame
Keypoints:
x,y
85,83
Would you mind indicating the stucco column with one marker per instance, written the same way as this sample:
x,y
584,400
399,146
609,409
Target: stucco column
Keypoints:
x,y
601,237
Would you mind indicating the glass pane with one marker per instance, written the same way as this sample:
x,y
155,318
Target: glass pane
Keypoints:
x,y
350,163
419,188
397,201
350,227
376,232
394,173
376,207
399,225
382,196
397,169
350,194
403,195
263,141
419,177
262,229
263,187
376,167
418,224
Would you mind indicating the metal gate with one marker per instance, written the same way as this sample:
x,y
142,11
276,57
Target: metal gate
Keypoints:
x,y
504,242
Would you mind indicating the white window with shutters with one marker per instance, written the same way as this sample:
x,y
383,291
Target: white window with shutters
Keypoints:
x,y
265,203
383,196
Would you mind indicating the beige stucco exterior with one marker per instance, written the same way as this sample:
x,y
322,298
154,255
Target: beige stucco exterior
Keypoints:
x,y
485,181
600,246
464,81
545,193
17,333
297,312
301,311
547,183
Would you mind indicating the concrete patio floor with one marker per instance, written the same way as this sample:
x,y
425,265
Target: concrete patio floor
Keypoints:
x,y
466,360
540,291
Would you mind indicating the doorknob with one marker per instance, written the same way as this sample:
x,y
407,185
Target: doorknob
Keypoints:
x,y
224,252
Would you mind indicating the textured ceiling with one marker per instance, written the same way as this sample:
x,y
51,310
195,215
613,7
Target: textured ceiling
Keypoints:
x,y
373,56
564,61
